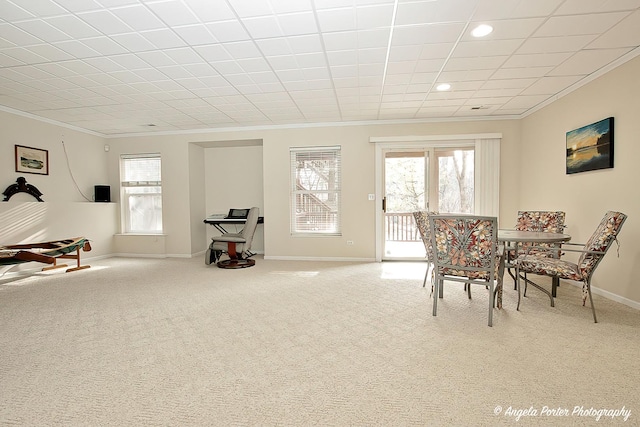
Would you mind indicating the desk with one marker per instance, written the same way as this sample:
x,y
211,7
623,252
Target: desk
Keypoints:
x,y
535,237
218,220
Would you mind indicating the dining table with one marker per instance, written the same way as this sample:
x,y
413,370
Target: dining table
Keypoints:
x,y
510,238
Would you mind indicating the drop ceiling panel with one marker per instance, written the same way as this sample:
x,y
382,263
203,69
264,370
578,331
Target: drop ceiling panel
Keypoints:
x,y
116,66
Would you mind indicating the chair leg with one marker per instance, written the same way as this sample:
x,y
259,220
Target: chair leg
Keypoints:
x,y
468,287
518,287
435,297
491,304
426,274
593,309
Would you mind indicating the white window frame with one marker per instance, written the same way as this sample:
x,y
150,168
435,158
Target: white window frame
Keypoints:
x,y
156,190
295,192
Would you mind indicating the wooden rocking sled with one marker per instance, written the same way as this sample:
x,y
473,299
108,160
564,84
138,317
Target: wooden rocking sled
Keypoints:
x,y
46,253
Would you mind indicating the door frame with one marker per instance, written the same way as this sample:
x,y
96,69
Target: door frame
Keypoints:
x,y
487,160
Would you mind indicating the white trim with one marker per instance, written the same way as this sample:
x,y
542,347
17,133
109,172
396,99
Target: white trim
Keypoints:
x,y
396,140
297,258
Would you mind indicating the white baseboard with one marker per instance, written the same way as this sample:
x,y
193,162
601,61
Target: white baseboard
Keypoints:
x,y
608,295
296,258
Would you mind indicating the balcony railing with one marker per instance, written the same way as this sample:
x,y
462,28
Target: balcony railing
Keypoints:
x,y
401,227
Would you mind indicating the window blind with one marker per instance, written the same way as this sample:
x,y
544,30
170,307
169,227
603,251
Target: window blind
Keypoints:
x,y
315,190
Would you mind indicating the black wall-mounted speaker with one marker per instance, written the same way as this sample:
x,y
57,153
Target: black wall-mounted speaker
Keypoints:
x,y
102,193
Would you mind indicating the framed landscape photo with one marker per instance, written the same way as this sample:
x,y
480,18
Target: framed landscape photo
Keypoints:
x,y
590,147
32,160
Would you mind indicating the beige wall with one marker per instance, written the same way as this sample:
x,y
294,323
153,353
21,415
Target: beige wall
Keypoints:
x,y
585,197
65,212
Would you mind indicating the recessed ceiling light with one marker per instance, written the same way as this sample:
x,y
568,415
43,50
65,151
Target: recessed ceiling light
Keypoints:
x,y
482,30
443,86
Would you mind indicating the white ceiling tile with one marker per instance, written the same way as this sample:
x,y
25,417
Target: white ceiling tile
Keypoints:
x,y
283,62
375,16
274,47
138,17
294,24
587,61
50,52
579,24
525,101
163,38
333,20
537,60
14,36
228,31
212,53
195,35
508,83
79,5
373,38
105,22
12,12
344,57
105,65
246,9
625,34
340,41
227,67
129,61
311,43
288,6
156,58
133,42
421,12
311,60
243,50
23,55
437,33
486,48
42,8
555,44
175,72
509,9
263,27
173,12
104,45
42,30
403,53
521,73
72,26
478,63
184,55
550,85
252,65
590,6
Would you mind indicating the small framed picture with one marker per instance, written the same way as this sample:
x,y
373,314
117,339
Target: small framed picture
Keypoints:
x,y
32,160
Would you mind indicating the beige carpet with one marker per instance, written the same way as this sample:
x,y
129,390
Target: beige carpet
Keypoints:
x,y
174,343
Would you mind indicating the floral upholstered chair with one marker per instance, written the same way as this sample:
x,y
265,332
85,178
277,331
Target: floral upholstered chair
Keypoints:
x,y
591,255
465,249
546,221
422,223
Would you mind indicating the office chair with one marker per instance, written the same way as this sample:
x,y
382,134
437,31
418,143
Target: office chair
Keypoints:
x,y
236,245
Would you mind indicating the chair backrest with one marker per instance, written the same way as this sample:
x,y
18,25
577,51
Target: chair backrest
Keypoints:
x,y
422,222
250,227
600,241
550,221
547,221
464,245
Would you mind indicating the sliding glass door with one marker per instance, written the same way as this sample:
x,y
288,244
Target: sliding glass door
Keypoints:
x,y
434,179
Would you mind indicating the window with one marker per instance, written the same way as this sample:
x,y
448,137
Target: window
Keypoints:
x,y
141,193
315,191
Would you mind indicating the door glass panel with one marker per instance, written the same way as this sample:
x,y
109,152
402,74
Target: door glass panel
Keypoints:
x,y
455,181
405,192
